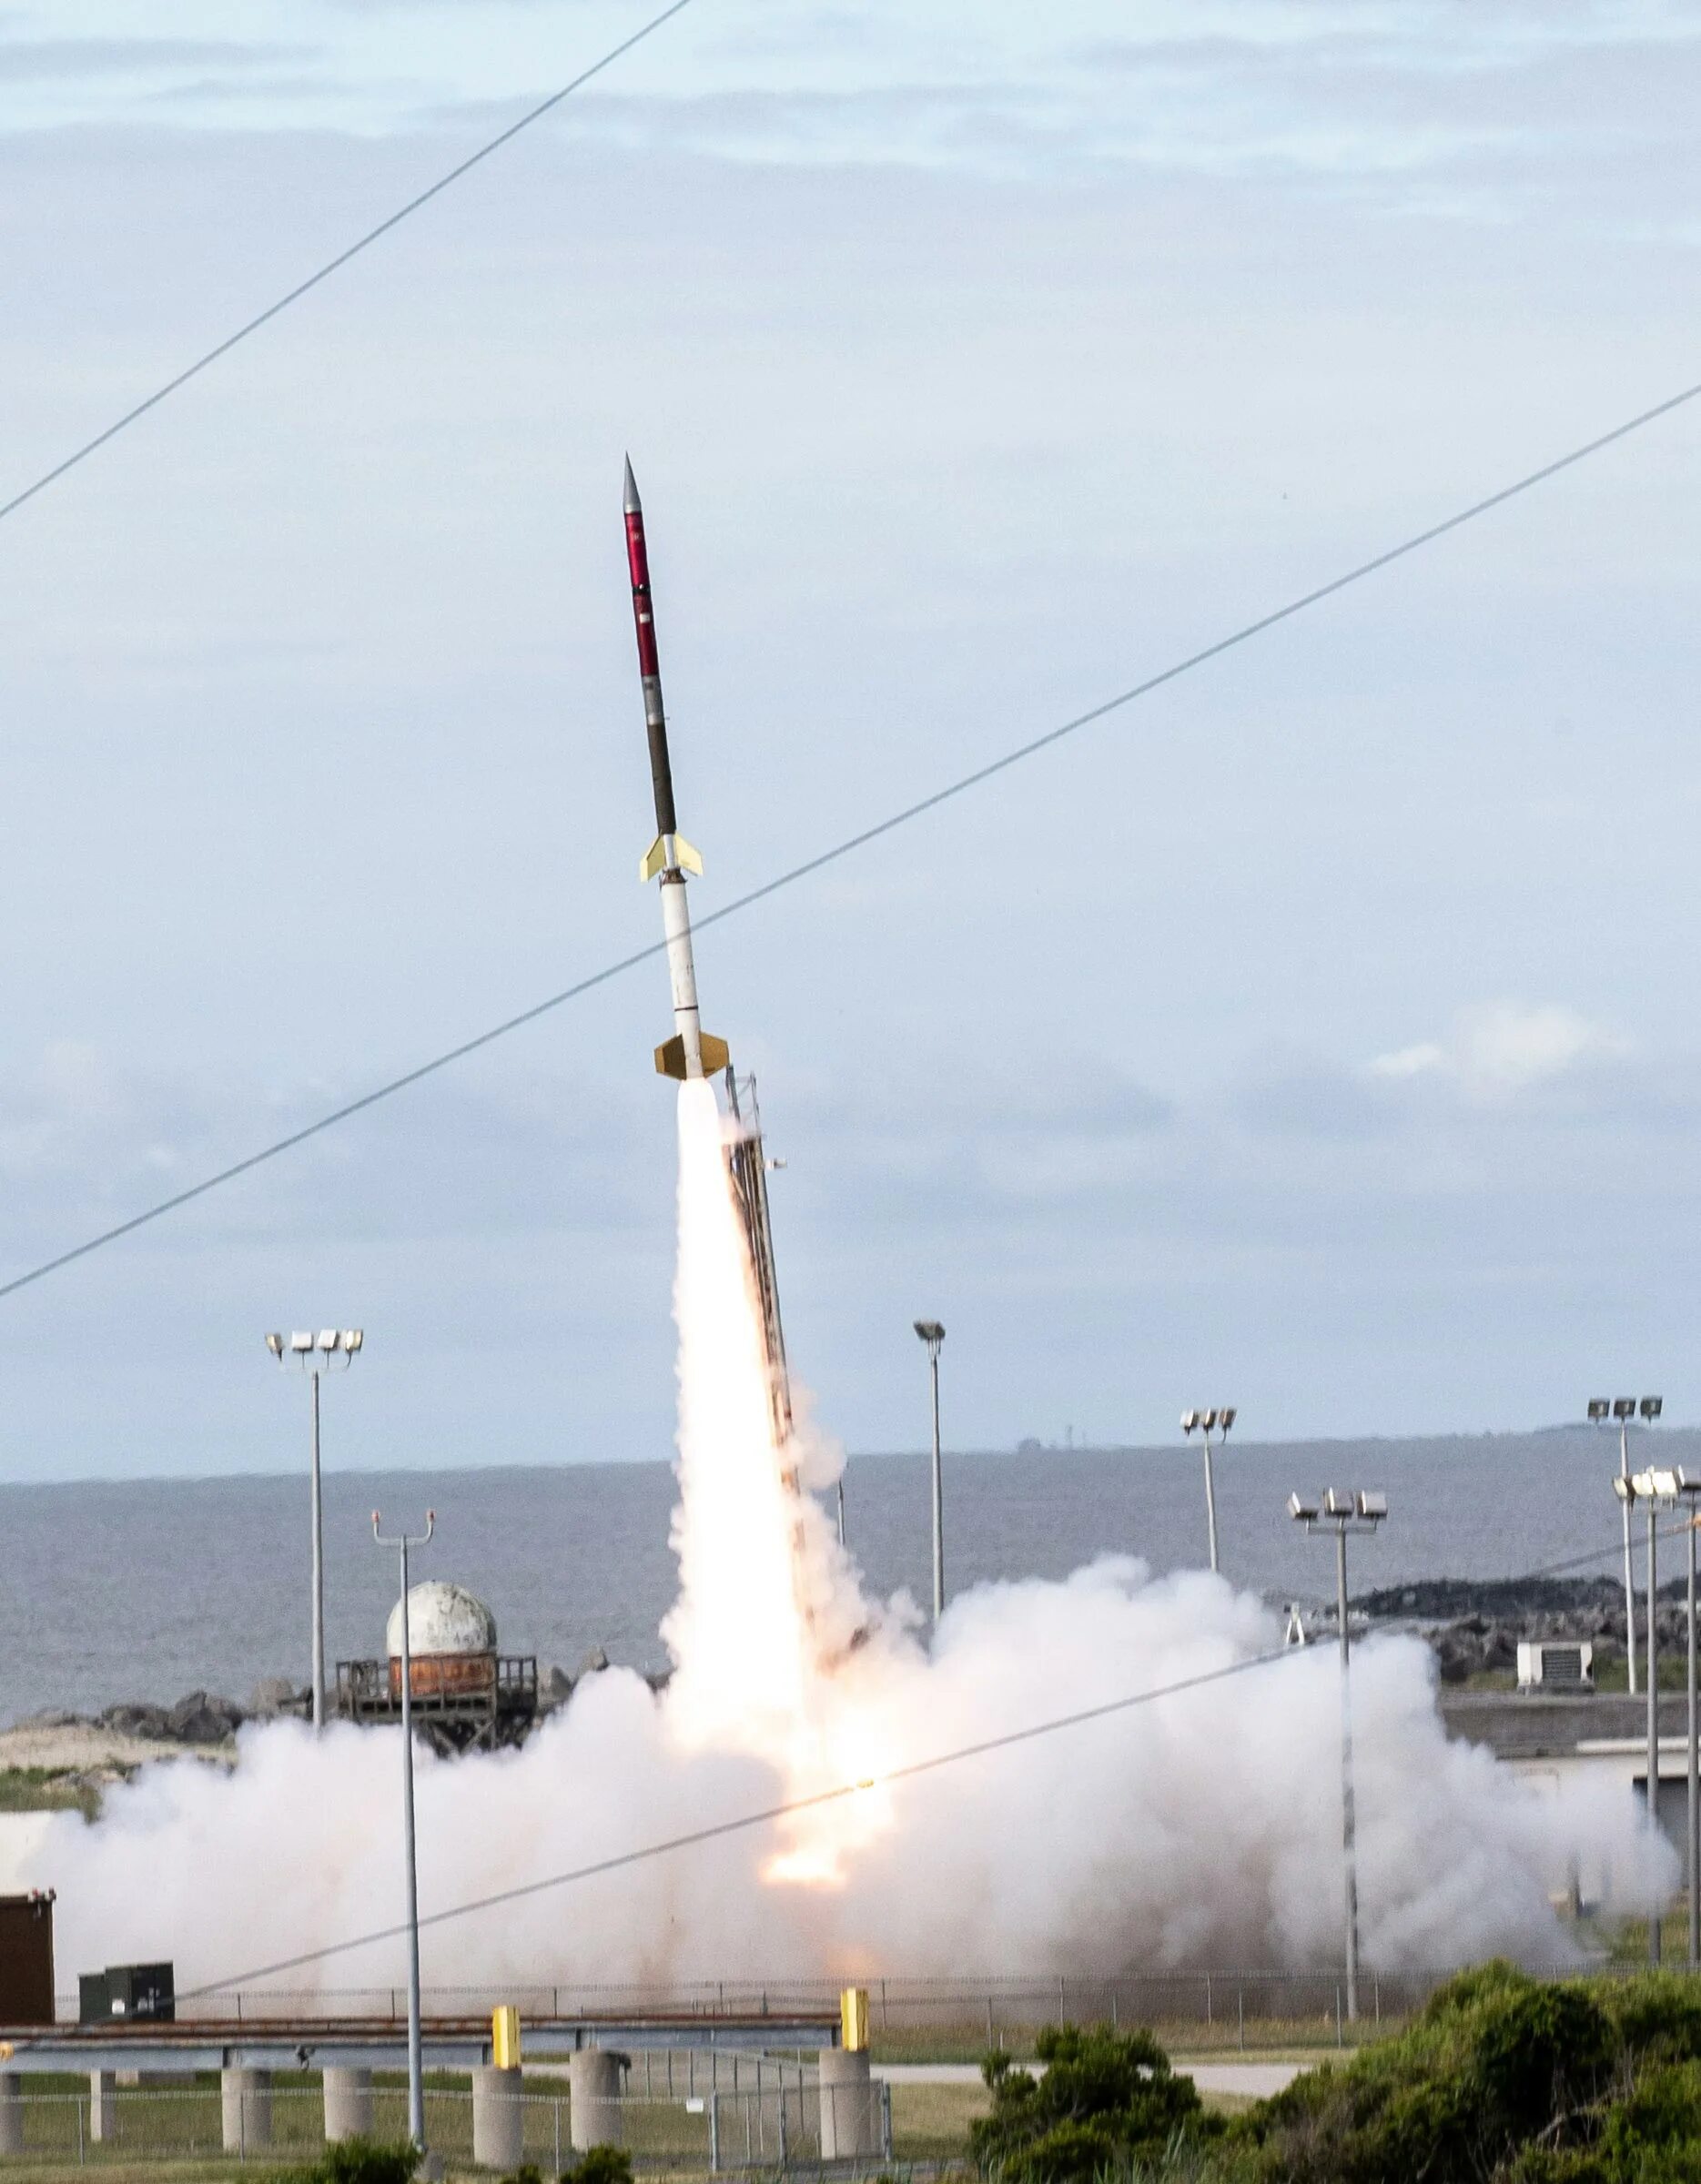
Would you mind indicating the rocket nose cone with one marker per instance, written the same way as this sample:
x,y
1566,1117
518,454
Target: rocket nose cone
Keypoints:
x,y
633,506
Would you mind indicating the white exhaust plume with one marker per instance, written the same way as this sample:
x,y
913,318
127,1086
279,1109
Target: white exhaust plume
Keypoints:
x,y
1200,1829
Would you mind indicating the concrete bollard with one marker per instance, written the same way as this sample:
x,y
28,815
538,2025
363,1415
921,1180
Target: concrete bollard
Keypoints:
x,y
102,2106
499,2121
245,2096
594,2082
348,2103
850,2106
11,2114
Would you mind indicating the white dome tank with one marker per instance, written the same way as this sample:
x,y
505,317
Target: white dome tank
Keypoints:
x,y
442,1619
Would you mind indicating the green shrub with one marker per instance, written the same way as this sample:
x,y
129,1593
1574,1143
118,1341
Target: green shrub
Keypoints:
x,y
358,2161
603,2165
1106,2100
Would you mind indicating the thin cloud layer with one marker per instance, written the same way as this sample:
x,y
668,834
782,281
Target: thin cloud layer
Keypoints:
x,y
974,370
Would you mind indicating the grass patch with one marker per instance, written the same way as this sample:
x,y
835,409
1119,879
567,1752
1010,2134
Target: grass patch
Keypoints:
x,y
47,1790
930,2123
965,2043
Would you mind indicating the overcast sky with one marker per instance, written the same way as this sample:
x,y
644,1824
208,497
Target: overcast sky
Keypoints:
x,y
1317,1034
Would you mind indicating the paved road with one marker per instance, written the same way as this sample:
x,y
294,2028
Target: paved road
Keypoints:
x,y
1259,2080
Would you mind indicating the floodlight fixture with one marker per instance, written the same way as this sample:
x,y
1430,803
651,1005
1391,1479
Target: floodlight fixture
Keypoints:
x,y
1643,1483
275,1344
352,1339
1225,1418
1302,1509
1189,1419
301,1344
1651,1405
1372,1507
1337,1503
326,1339
1624,1406
1667,1484
931,1332
1625,1489
1599,1408
1207,1419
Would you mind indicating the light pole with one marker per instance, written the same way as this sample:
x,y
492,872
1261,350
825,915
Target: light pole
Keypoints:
x,y
1342,1513
1207,1421
1619,1411
1683,1490
416,2062
1650,1488
933,1335
316,1355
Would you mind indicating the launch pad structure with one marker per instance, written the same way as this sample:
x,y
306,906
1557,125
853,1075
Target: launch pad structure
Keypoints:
x,y
747,1160
490,1706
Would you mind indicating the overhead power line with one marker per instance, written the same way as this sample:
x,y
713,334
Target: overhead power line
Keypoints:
x,y
860,840
335,264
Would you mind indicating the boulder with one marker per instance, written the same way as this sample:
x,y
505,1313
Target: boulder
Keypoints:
x,y
202,1718
554,1687
134,1717
272,1696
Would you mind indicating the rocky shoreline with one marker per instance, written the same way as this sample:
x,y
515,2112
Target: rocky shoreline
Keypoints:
x,y
1475,1626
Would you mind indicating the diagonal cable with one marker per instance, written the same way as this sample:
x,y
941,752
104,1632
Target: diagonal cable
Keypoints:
x,y
335,264
860,840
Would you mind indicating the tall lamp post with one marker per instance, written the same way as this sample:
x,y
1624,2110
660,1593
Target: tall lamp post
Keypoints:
x,y
416,2060
1207,1421
1682,1489
1620,1411
1342,1513
316,1355
1650,1488
933,1335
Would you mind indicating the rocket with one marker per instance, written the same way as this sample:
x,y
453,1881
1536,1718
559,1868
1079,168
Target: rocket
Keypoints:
x,y
691,1051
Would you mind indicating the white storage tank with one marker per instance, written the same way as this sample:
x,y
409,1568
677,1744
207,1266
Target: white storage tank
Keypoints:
x,y
451,1641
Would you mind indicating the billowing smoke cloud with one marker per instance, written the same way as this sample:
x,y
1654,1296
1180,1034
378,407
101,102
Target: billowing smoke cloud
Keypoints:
x,y
1201,1828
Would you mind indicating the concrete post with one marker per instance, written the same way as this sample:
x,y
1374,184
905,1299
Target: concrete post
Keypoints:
x,y
103,2105
850,2106
348,2104
594,2080
11,2114
245,2096
499,2121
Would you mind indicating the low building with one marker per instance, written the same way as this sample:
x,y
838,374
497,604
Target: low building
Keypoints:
x,y
1553,1737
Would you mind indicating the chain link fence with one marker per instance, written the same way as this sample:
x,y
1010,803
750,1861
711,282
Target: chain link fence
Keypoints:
x,y
787,2122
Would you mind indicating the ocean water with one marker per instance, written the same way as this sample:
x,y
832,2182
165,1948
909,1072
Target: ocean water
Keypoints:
x,y
149,1589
